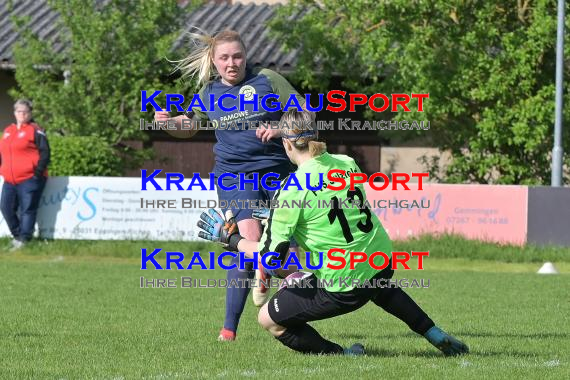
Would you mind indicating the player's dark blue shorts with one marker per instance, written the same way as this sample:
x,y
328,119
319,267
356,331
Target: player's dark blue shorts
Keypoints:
x,y
249,193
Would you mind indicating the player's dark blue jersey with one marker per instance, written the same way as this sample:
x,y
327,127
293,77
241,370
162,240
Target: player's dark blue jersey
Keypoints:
x,y
238,149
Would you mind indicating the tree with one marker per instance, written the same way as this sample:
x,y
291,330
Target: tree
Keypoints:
x,y
111,50
488,67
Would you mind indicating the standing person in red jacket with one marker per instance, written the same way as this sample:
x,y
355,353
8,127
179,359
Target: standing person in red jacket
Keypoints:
x,y
24,157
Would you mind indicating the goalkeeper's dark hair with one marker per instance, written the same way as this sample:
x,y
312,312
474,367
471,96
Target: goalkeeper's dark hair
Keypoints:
x,y
300,129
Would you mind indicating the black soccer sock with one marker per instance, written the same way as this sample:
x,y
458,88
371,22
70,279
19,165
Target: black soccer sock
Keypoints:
x,y
307,340
396,302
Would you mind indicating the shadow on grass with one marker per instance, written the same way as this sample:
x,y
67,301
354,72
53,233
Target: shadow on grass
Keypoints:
x,y
395,353
22,334
384,336
538,335
380,336
437,354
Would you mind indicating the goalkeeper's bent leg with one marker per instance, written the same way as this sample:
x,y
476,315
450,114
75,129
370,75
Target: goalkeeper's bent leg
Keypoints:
x,y
300,337
307,340
396,302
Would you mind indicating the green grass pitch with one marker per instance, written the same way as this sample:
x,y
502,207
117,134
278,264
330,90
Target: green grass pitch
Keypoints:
x,y
71,310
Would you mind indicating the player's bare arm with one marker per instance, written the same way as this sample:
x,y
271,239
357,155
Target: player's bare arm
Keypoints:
x,y
178,132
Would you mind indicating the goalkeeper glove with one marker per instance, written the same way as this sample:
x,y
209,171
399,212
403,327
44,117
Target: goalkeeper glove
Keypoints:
x,y
261,214
215,228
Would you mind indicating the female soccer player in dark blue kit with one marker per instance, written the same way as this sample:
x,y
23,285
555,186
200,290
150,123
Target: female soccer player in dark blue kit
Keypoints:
x,y
238,150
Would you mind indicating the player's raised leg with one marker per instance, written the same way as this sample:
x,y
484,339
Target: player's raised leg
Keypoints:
x,y
263,276
396,302
260,293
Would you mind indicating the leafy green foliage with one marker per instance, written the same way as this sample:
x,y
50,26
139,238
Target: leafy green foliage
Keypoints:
x,y
111,51
487,66
83,156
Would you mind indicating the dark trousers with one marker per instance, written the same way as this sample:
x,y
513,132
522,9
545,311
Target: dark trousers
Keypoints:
x,y
19,205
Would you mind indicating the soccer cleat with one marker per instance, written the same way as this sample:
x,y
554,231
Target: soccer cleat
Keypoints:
x,y
449,345
15,245
356,349
226,335
260,292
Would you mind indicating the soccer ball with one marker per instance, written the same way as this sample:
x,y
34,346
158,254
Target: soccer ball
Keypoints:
x,y
293,279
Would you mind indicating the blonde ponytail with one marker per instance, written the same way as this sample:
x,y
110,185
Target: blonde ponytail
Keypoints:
x,y
199,63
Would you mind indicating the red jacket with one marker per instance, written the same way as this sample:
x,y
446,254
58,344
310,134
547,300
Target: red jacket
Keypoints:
x,y
24,153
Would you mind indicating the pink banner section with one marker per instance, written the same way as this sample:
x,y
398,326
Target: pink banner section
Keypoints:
x,y
483,212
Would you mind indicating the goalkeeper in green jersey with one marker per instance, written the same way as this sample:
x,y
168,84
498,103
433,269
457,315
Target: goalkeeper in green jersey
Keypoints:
x,y
315,229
